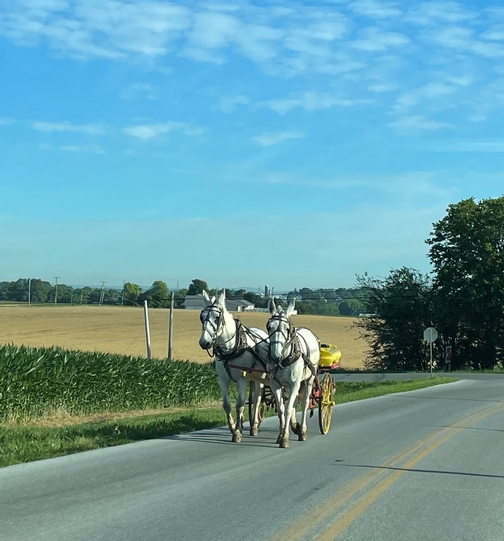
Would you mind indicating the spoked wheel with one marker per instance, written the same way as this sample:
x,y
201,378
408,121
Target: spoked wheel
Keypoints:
x,y
325,402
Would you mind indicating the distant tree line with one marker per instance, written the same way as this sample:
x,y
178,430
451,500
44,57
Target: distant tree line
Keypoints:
x,y
330,302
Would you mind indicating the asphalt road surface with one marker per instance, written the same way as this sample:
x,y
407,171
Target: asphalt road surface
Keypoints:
x,y
425,465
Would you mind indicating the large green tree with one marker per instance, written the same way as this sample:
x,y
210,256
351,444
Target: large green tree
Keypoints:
x,y
399,309
197,286
132,293
158,295
467,253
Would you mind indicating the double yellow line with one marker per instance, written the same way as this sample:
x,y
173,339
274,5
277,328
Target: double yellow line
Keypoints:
x,y
313,519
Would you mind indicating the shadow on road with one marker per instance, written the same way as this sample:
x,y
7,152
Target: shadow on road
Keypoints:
x,y
414,470
266,438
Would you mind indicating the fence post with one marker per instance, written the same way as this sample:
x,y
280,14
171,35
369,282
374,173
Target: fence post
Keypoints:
x,y
170,331
147,330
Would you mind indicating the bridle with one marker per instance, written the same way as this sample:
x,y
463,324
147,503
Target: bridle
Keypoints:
x,y
216,330
290,340
239,337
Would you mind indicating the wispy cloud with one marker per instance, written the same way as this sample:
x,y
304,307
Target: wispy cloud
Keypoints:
x,y
91,129
435,12
6,121
468,146
138,91
83,149
275,138
374,39
150,131
227,104
375,10
311,101
418,123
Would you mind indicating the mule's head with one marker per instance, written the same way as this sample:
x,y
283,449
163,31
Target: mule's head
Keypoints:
x,y
280,330
212,319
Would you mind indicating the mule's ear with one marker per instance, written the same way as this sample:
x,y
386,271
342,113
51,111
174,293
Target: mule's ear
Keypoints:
x,y
222,298
290,308
208,301
271,305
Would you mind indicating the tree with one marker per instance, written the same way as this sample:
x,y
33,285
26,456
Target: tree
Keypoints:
x,y
467,253
179,298
351,307
132,293
158,295
400,309
40,290
197,287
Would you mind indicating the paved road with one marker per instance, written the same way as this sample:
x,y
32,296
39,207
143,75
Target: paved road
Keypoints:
x,y
426,465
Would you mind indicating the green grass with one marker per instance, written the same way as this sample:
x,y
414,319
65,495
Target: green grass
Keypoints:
x,y
25,442
348,392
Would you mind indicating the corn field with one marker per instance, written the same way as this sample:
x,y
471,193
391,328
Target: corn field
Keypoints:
x,y
35,381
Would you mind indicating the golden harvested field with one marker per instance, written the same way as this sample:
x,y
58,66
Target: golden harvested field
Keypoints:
x,y
121,330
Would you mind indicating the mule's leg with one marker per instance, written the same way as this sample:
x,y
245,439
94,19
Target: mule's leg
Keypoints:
x,y
295,426
257,389
241,385
290,411
308,384
277,391
224,382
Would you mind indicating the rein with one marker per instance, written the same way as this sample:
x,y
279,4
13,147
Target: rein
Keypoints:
x,y
240,346
292,345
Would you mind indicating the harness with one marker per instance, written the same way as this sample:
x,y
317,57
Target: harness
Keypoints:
x,y
240,343
292,342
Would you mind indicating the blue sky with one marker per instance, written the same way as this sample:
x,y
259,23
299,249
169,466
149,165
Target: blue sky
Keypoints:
x,y
294,144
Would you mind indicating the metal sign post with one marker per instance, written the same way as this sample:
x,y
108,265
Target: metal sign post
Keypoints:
x,y
430,334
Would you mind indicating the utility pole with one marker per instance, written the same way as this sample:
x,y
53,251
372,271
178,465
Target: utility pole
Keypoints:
x,y
56,290
102,293
29,292
122,296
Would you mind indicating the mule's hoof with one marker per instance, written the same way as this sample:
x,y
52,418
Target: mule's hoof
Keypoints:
x,y
254,431
302,437
284,444
237,437
296,429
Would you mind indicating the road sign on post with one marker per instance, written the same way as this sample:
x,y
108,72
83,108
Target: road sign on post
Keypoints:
x,y
430,334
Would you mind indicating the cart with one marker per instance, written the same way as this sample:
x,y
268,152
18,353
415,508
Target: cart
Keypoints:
x,y
321,397
330,356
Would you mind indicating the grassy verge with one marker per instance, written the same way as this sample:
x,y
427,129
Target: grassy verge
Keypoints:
x,y
35,440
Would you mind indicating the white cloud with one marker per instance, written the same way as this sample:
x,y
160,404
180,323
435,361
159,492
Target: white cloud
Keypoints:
x,y
84,149
227,104
374,39
138,91
275,138
149,131
417,123
432,12
311,101
375,9
6,121
430,91
90,129
469,146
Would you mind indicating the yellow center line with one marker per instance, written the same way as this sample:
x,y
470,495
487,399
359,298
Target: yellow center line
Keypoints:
x,y
349,516
309,520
